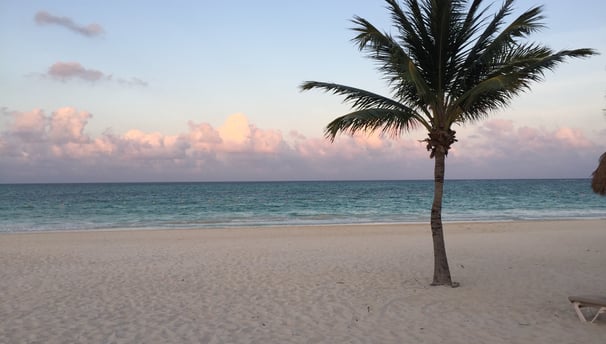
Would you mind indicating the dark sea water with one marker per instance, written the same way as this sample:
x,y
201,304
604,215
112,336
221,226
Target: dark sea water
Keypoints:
x,y
48,207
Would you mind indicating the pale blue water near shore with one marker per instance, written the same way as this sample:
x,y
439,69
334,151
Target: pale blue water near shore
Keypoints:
x,y
48,207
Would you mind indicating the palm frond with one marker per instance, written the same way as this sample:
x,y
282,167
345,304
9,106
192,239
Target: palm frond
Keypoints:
x,y
390,122
536,68
412,28
528,22
521,66
357,98
399,69
488,49
489,31
467,29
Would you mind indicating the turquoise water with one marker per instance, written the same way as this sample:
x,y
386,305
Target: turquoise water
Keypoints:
x,y
47,207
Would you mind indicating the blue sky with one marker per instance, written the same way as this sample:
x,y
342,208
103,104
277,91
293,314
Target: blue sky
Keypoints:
x,y
207,90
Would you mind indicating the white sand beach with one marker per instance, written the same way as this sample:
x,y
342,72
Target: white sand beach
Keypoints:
x,y
335,284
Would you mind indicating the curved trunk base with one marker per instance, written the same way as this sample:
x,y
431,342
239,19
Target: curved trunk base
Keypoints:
x,y
441,272
451,284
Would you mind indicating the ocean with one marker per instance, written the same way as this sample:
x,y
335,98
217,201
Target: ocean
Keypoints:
x,y
59,207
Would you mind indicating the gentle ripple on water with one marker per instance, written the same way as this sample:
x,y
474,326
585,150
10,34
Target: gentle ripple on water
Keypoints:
x,y
41,207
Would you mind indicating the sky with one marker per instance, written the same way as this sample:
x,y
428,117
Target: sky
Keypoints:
x,y
138,91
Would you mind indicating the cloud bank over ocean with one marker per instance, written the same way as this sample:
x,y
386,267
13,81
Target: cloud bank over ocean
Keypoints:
x,y
37,146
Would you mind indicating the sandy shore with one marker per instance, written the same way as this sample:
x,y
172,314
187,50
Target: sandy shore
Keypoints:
x,y
342,284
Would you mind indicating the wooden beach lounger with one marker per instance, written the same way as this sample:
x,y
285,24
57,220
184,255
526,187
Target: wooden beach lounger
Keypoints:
x,y
593,301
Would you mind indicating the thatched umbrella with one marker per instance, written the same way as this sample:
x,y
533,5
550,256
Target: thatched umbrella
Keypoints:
x,y
598,183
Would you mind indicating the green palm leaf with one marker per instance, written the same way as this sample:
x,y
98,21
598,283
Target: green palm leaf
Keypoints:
x,y
390,121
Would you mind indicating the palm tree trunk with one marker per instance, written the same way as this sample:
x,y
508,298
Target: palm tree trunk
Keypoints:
x,y
441,272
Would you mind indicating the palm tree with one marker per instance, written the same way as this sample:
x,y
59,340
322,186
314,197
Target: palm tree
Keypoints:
x,y
449,63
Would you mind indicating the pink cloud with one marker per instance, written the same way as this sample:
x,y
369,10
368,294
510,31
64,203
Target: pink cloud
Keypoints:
x,y
45,18
498,127
56,147
67,125
502,150
66,71
202,137
31,123
267,141
573,137
235,133
503,136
